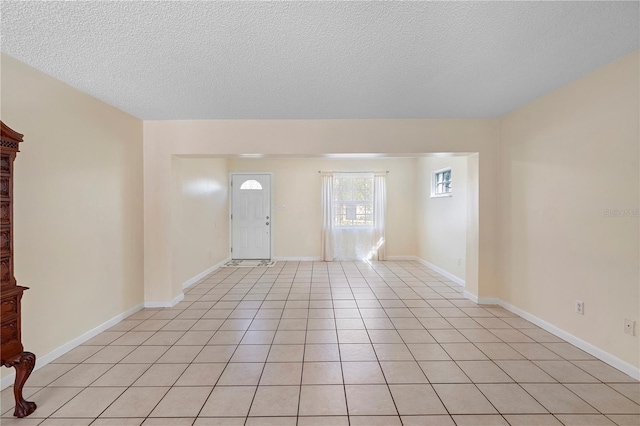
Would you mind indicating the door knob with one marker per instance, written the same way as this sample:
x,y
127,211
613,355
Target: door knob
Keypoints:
x,y
267,223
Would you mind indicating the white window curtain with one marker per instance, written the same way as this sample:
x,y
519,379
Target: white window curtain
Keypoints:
x,y
327,217
379,216
353,220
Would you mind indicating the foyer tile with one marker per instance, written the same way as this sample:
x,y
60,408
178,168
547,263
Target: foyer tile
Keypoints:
x,y
136,402
322,373
275,401
369,400
463,399
443,372
182,402
416,400
82,375
282,373
605,399
556,398
321,344
510,399
229,401
89,403
322,401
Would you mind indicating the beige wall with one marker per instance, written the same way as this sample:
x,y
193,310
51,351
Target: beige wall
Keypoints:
x,y
200,216
297,186
442,221
546,174
565,160
299,138
78,207
473,221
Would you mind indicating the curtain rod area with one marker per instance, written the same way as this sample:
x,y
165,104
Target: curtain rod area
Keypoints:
x,y
364,171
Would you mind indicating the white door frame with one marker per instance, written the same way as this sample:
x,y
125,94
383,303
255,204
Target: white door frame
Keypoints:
x,y
231,174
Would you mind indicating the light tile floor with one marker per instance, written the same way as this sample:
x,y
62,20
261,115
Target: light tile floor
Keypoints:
x,y
312,343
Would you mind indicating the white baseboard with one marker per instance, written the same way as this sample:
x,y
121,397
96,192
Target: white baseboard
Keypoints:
x,y
188,283
576,341
392,258
604,356
163,304
481,300
41,361
442,272
318,258
489,301
298,259
470,296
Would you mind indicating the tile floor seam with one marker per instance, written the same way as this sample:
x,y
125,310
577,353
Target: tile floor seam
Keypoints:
x,y
176,380
270,347
397,288
344,384
428,381
380,365
306,328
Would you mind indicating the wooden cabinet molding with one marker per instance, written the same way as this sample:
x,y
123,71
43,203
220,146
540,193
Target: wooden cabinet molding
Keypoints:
x,y
12,352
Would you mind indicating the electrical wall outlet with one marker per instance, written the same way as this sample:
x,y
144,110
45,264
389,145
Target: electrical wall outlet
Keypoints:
x,y
579,307
459,261
630,327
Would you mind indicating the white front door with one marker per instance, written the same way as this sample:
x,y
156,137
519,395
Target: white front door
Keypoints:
x,y
251,216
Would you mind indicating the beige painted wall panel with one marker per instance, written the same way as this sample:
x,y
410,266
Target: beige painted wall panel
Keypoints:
x,y
162,139
158,196
201,216
443,220
78,207
566,159
472,256
297,186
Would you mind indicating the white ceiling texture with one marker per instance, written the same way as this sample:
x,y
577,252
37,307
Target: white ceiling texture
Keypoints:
x,y
316,60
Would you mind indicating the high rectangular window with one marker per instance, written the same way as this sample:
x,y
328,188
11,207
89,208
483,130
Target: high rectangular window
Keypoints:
x,y
441,183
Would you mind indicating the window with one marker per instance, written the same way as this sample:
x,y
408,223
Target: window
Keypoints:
x,y
251,184
352,201
441,183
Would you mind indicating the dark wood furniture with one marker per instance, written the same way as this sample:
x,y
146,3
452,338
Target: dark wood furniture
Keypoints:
x,y
11,350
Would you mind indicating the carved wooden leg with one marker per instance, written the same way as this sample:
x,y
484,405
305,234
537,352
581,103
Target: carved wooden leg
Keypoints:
x,y
23,364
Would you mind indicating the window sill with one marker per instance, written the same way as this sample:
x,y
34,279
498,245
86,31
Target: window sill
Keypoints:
x,y
440,195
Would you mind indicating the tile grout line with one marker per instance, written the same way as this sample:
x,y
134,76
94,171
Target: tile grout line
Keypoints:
x,y
126,387
452,360
305,337
272,340
194,358
237,346
456,363
397,286
377,358
344,384
416,361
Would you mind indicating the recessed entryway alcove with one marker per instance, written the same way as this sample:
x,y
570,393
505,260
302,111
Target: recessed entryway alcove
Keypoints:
x,y
441,232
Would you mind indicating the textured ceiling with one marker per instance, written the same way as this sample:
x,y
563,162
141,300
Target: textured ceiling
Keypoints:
x,y
294,60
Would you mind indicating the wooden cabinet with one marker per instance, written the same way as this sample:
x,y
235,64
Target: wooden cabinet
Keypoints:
x,y
12,353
